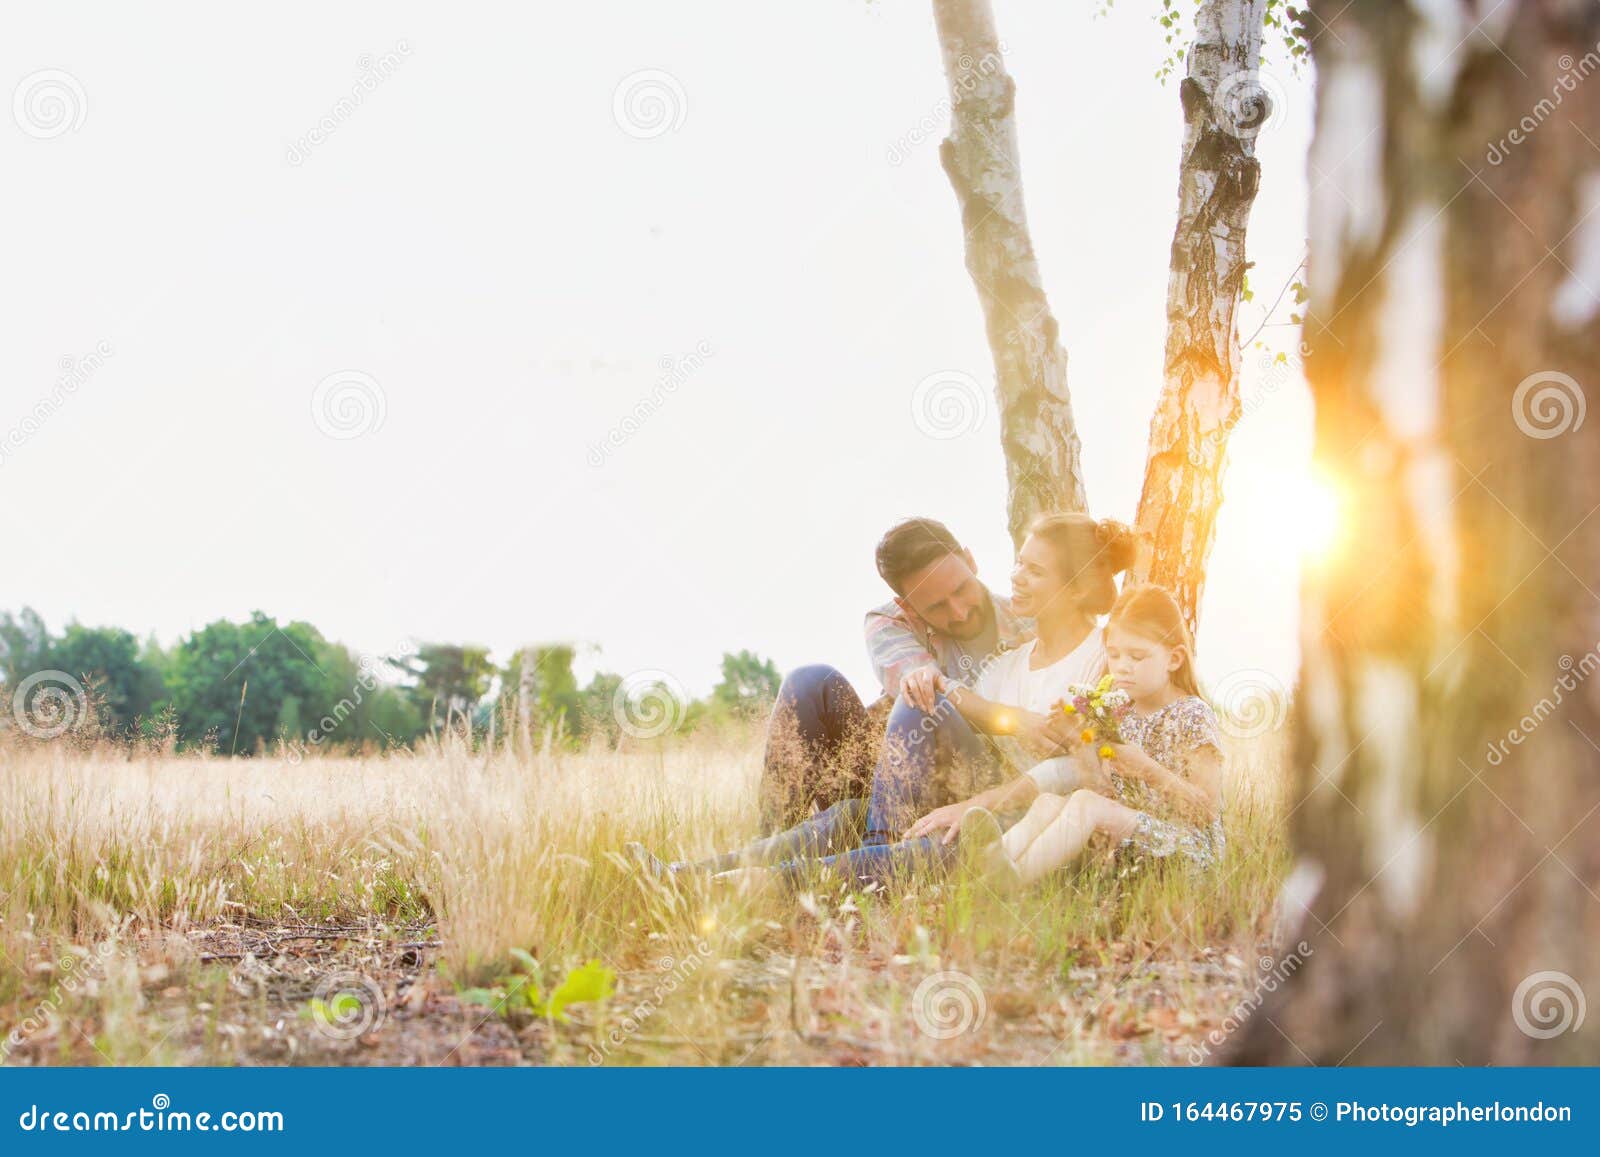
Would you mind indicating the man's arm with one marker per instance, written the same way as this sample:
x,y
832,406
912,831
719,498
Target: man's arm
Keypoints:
x,y
894,649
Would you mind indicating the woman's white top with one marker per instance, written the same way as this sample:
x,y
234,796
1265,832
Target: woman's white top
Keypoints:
x,y
1009,680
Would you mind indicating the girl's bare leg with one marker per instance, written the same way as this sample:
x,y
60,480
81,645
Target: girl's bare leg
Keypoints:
x,y
1066,836
1045,808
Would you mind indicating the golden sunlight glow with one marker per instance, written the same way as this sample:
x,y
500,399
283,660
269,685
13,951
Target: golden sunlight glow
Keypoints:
x,y
1302,513
1317,517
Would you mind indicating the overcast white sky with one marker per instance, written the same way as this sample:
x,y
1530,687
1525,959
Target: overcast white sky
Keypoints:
x,y
486,242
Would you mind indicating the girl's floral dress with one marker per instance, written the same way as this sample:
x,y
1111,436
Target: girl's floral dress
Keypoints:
x,y
1169,735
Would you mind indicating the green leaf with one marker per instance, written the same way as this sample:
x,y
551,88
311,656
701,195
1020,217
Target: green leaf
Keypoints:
x,y
488,997
523,990
588,983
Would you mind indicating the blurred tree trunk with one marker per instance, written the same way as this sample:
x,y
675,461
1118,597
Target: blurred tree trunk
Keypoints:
x,y
981,159
527,696
1447,818
1224,107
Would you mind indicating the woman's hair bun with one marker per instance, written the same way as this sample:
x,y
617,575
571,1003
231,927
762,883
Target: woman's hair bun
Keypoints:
x,y
1120,543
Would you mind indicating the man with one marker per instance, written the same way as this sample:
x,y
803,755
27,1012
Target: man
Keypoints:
x,y
822,743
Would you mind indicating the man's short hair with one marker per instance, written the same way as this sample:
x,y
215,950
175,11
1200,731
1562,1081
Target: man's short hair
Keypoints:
x,y
909,546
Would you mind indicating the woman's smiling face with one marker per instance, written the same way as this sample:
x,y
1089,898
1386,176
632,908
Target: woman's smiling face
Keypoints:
x,y
1036,580
1139,665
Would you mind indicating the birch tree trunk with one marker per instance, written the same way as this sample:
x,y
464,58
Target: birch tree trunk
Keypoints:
x,y
1447,820
981,159
1224,107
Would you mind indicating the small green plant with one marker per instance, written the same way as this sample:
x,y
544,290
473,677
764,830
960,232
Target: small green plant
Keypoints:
x,y
340,1010
519,992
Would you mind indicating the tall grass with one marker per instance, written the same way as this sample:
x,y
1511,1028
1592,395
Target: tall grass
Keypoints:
x,y
500,851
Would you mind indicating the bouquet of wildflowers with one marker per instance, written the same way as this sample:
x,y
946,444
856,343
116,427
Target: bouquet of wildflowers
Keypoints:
x,y
1099,709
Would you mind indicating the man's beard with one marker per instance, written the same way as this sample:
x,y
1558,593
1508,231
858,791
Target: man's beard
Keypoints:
x,y
975,626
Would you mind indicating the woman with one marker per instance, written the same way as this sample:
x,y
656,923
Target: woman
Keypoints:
x,y
1065,580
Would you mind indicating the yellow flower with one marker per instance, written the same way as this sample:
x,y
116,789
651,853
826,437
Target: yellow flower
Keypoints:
x,y
1069,709
1106,752
1087,736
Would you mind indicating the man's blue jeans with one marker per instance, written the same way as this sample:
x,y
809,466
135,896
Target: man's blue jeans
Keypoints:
x,y
922,751
820,747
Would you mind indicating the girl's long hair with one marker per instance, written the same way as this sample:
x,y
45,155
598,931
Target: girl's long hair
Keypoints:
x,y
1151,612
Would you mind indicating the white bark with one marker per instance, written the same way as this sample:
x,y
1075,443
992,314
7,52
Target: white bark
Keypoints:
x,y
981,158
1224,107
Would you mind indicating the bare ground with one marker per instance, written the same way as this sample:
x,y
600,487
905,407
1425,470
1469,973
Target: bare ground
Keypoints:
x,y
243,992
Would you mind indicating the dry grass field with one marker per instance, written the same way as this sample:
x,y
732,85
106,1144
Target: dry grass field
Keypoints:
x,y
443,907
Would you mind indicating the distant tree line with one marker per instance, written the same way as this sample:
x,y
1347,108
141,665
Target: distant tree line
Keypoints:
x,y
245,687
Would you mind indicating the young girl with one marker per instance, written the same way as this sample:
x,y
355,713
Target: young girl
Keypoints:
x,y
1160,792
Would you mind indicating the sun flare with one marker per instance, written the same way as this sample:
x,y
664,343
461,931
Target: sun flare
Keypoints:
x,y
1317,516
